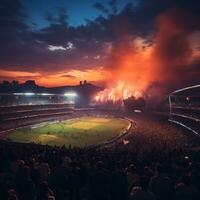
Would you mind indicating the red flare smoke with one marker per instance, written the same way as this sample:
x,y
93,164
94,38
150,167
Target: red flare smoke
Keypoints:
x,y
137,63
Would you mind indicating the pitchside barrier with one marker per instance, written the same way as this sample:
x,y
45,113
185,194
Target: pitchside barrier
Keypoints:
x,y
184,107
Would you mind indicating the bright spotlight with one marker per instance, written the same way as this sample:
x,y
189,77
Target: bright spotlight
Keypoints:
x,y
29,93
45,94
70,94
137,111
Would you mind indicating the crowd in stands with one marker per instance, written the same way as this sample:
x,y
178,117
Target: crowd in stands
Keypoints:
x,y
17,116
191,112
157,163
189,116
32,172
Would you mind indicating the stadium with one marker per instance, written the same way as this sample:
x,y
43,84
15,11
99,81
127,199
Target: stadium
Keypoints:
x,y
55,121
99,100
61,124
51,124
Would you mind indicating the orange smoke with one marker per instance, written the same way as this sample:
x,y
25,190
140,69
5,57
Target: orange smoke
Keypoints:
x,y
116,94
137,63
131,65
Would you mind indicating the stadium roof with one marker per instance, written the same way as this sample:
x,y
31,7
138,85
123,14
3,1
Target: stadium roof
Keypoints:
x,y
193,90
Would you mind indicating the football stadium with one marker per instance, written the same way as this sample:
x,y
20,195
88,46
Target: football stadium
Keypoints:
x,y
99,100
53,136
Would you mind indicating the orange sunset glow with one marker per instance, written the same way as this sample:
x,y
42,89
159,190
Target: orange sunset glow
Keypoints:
x,y
113,51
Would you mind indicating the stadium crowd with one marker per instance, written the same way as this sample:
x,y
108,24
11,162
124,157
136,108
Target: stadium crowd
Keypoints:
x,y
155,161
32,172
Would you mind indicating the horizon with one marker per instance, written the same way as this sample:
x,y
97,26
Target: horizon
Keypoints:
x,y
11,82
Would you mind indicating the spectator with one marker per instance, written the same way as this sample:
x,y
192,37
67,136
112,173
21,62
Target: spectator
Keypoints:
x,y
12,195
119,183
44,170
99,182
141,192
133,177
184,190
44,192
160,184
25,186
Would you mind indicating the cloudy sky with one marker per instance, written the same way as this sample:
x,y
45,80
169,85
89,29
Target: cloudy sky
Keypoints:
x,y
145,43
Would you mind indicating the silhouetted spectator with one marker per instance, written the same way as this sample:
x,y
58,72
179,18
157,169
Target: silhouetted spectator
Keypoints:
x,y
133,177
24,185
186,191
44,192
119,184
160,184
44,170
141,192
99,183
12,195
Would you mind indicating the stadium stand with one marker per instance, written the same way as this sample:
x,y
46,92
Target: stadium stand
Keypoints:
x,y
16,116
185,108
155,161
43,172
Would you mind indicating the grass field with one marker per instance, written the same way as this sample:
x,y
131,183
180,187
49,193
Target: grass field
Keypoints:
x,y
79,132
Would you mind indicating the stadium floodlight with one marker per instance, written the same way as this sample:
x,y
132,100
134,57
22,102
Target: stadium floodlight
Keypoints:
x,y
45,94
137,111
70,94
17,93
29,93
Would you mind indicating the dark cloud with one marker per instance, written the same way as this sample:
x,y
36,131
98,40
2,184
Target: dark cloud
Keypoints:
x,y
49,17
113,4
26,48
101,8
62,16
68,76
14,32
172,40
173,51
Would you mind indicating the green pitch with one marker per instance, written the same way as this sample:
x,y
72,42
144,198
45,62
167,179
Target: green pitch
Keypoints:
x,y
78,132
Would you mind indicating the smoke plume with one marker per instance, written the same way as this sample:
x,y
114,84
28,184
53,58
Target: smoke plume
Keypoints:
x,y
159,63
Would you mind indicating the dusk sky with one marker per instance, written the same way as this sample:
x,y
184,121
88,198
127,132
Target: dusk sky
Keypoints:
x,y
146,44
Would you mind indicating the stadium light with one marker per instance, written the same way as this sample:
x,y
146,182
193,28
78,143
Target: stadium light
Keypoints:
x,y
17,93
137,111
29,93
70,94
46,94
